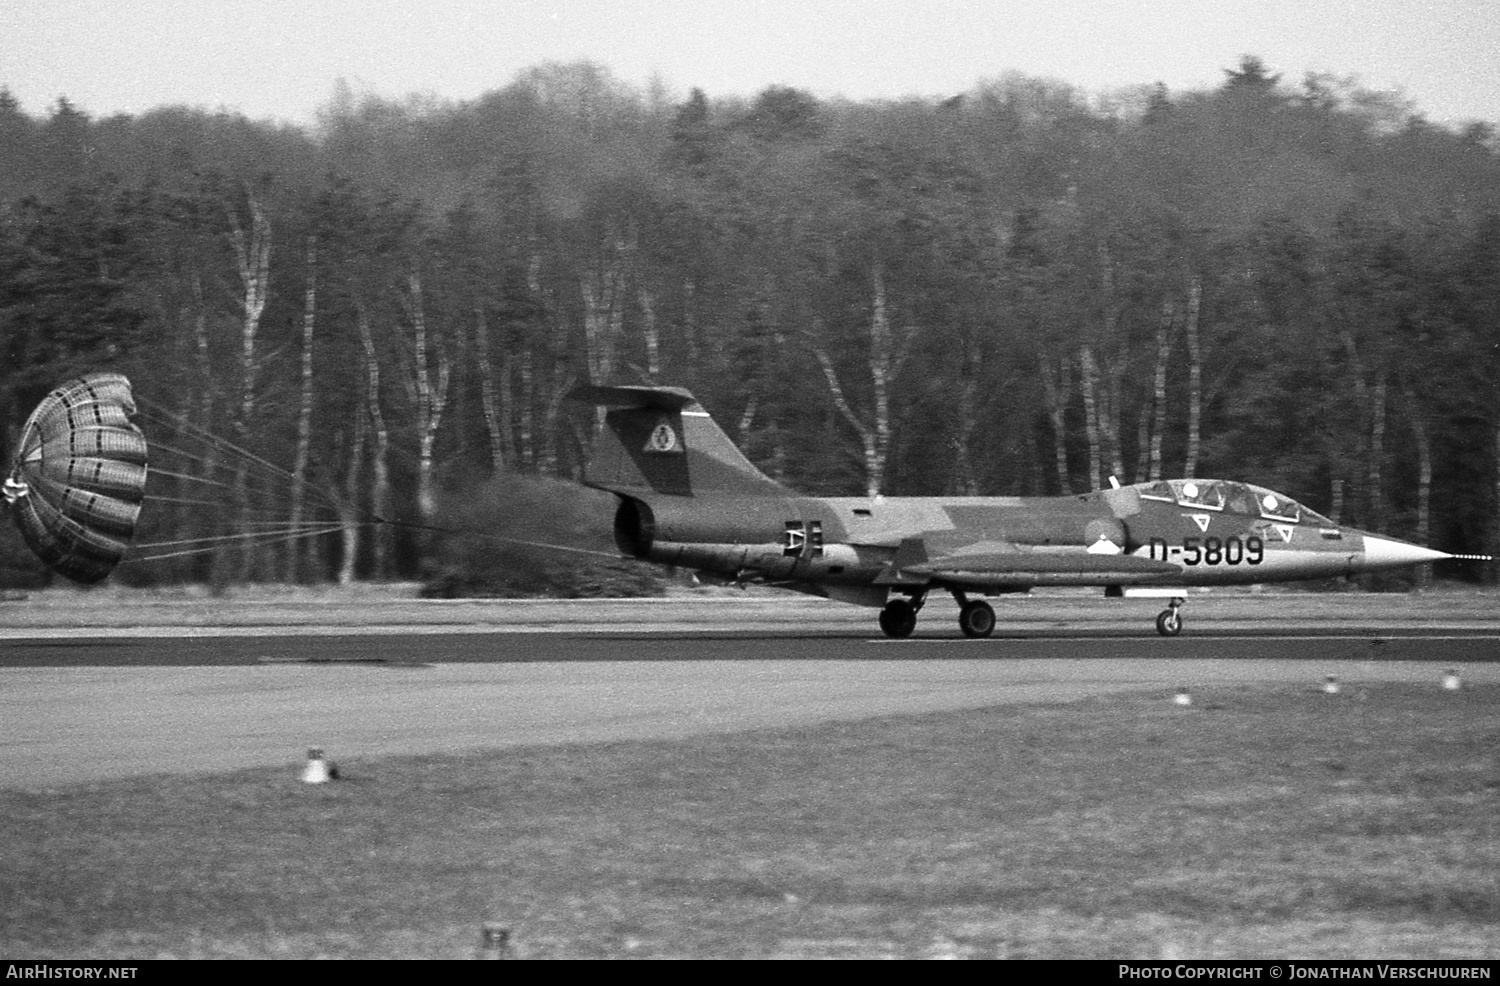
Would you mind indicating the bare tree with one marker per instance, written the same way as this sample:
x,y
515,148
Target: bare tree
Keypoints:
x,y
495,394
884,358
1164,326
380,487
428,391
1195,379
304,410
1088,385
603,290
1057,389
252,253
349,514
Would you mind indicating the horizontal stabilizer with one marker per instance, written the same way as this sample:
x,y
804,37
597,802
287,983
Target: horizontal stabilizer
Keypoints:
x,y
656,398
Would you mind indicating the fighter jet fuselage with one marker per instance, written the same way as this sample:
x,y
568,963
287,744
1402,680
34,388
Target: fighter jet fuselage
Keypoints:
x,y
688,498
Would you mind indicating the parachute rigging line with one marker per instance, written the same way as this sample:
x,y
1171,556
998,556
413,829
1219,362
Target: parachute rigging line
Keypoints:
x,y
80,478
254,490
152,411
308,528
258,538
488,536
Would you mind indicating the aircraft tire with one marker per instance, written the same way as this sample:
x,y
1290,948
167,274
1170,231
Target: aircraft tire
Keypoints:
x,y
977,619
1169,623
898,619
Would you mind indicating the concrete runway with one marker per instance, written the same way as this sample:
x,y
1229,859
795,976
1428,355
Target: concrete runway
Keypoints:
x,y
80,705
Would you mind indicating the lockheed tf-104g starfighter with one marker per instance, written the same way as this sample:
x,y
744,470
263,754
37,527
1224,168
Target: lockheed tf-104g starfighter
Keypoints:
x,y
688,497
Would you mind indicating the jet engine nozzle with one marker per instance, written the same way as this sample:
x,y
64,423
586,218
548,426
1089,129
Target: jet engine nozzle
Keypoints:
x,y
635,528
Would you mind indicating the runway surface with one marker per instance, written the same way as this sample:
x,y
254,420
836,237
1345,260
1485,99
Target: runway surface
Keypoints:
x,y
80,705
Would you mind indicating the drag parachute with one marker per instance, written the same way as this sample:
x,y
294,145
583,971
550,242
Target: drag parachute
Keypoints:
x,y
79,477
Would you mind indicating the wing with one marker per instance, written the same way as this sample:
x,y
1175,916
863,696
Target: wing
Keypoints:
x,y
999,565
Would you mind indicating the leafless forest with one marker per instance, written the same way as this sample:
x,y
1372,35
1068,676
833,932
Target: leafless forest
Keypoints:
x,y
1020,289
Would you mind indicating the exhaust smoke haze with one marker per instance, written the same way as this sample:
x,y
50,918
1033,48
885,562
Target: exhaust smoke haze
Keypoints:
x,y
520,535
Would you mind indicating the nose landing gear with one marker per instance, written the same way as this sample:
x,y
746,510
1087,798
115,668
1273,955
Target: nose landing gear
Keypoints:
x,y
1169,620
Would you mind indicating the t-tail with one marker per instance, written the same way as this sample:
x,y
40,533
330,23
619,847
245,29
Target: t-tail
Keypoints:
x,y
659,440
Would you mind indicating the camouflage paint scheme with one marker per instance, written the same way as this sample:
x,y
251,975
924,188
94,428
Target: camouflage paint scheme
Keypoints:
x,y
689,498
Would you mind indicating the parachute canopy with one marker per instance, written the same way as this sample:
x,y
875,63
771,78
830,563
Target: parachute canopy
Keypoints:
x,y
80,476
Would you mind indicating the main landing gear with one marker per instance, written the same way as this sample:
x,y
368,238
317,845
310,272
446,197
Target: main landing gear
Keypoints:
x,y
899,618
976,618
1169,620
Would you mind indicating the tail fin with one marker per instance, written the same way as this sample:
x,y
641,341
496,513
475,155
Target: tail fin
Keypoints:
x,y
660,440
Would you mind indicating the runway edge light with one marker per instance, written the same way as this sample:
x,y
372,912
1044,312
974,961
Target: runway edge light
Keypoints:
x,y
1451,681
494,941
1183,697
1331,685
317,770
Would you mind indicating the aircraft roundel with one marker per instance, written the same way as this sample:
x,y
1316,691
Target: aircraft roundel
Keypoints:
x,y
1104,536
663,439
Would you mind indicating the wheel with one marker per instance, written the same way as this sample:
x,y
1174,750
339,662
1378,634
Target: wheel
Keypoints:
x,y
1169,622
898,619
977,619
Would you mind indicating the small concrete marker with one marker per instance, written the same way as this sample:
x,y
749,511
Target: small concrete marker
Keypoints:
x,y
1183,697
1331,685
494,941
1451,681
317,770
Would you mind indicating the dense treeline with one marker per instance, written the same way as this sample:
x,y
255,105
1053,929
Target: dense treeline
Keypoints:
x,y
1017,290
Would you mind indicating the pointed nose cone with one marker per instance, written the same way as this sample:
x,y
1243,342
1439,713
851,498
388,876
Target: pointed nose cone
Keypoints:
x,y
1382,553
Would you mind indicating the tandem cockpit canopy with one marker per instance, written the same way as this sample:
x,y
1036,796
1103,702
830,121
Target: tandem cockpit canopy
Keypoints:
x,y
1239,498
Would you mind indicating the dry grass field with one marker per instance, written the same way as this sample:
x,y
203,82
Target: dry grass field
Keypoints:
x,y
1260,821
